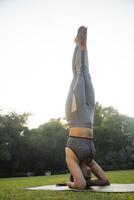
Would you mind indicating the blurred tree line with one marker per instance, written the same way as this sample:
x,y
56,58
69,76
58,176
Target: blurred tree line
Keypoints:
x,y
24,151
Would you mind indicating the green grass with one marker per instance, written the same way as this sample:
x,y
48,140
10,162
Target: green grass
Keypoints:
x,y
10,188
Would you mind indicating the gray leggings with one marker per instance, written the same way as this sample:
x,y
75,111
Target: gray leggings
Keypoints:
x,y
81,95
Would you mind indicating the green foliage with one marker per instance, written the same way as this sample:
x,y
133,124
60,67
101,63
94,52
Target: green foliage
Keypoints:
x,y
12,129
113,138
49,143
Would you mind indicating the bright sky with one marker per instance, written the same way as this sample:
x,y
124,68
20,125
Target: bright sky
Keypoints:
x,y
36,49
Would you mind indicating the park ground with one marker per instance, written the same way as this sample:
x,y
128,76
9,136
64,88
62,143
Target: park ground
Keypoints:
x,y
11,188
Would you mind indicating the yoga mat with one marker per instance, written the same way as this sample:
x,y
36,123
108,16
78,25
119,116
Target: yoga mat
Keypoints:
x,y
109,188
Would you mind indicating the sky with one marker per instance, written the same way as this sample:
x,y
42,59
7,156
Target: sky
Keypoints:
x,y
36,49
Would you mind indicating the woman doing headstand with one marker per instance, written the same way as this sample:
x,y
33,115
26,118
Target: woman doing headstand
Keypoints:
x,y
79,111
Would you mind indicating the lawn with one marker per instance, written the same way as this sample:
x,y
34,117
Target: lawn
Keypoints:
x,y
10,188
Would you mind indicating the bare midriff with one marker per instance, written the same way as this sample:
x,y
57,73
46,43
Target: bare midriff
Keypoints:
x,y
81,132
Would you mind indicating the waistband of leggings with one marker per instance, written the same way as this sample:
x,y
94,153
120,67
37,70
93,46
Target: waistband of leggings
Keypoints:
x,y
80,137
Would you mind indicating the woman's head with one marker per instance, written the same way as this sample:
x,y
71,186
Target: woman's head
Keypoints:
x,y
81,37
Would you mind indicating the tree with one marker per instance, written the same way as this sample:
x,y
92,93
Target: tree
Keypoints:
x,y
49,143
112,138
12,129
